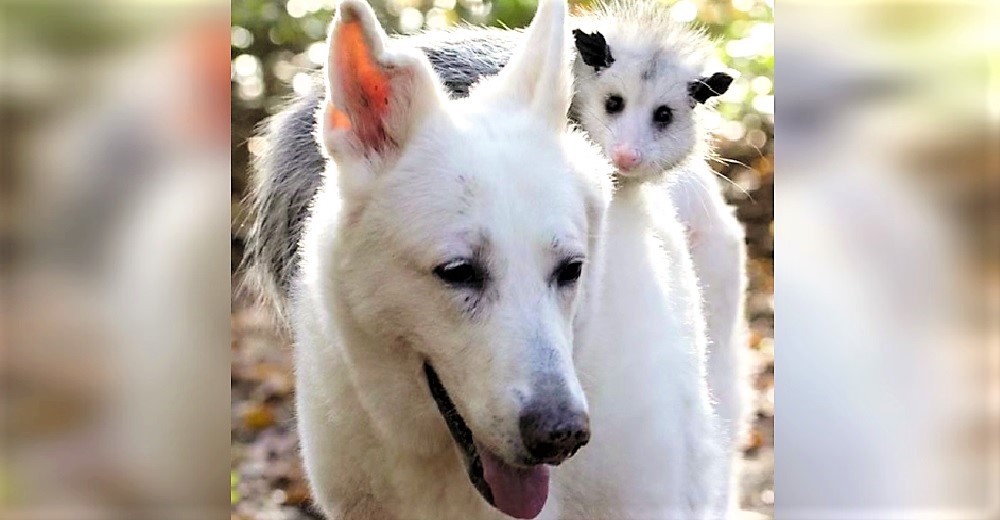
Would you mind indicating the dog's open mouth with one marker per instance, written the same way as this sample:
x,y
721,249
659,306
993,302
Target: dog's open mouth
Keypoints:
x,y
519,492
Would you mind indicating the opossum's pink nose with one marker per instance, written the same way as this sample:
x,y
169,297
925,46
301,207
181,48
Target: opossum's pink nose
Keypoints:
x,y
625,157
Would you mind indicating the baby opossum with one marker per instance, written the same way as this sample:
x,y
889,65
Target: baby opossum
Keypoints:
x,y
639,86
638,91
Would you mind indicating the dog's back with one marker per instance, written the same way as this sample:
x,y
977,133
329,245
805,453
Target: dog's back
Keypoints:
x,y
287,170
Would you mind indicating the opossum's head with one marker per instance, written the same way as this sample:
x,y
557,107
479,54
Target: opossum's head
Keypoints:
x,y
637,98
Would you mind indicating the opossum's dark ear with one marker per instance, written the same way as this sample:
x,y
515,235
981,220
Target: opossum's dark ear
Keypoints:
x,y
593,49
702,89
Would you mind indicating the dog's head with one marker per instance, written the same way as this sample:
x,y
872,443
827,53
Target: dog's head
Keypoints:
x,y
467,231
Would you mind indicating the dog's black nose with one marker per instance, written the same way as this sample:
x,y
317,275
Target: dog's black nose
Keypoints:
x,y
553,434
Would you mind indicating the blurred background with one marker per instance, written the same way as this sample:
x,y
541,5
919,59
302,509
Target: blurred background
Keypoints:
x,y
887,286
120,191
114,232
276,43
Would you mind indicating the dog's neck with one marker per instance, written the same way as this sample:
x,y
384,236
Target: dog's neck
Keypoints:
x,y
383,372
412,439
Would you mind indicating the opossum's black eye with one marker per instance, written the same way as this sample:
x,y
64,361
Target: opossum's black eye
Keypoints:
x,y
569,271
663,115
614,104
461,273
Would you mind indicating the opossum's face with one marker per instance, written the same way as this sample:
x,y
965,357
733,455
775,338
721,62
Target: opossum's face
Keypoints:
x,y
639,114
639,106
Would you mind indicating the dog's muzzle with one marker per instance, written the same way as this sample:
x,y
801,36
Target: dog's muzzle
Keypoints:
x,y
550,434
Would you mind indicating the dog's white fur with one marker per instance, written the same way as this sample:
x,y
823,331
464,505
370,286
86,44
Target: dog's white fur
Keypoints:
x,y
410,187
655,60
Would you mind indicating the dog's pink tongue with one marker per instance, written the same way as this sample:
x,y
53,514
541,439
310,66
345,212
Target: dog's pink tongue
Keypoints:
x,y
518,492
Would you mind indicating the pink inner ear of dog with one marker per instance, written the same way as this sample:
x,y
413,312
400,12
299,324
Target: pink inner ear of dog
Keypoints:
x,y
365,84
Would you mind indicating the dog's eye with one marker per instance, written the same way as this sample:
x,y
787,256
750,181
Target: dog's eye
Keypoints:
x,y
461,273
614,104
569,271
662,115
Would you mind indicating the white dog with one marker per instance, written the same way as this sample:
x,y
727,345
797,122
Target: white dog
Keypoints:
x,y
640,93
450,262
439,278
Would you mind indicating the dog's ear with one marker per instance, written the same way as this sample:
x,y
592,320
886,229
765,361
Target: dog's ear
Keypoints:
x,y
375,96
538,75
702,89
594,49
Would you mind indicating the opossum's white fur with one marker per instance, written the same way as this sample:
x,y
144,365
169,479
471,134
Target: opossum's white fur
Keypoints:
x,y
715,239
655,447
655,59
497,172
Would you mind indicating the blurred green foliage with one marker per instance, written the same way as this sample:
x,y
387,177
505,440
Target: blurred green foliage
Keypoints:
x,y
274,41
